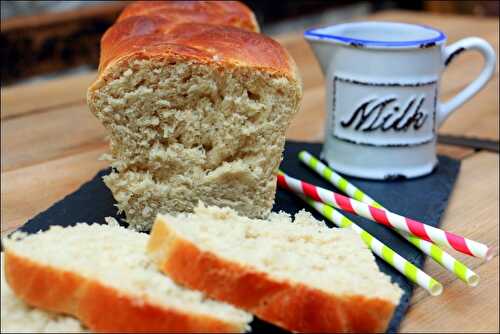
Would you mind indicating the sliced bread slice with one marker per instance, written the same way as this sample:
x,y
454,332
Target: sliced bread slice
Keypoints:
x,y
302,276
19,317
101,275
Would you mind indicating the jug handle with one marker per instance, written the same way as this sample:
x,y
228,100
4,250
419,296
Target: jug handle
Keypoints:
x,y
471,43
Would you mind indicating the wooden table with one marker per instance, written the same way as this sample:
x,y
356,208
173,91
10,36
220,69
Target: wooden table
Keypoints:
x,y
51,145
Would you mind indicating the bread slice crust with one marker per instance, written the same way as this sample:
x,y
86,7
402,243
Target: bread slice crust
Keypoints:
x,y
290,305
101,308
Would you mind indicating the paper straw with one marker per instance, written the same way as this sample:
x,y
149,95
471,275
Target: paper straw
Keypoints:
x,y
405,267
384,217
337,180
440,256
443,258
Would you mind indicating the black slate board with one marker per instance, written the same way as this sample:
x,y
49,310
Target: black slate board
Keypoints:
x,y
423,198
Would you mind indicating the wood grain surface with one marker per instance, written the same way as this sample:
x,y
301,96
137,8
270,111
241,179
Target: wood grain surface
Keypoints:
x,y
50,145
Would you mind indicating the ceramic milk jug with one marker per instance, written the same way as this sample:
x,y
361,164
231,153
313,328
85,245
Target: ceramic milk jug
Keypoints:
x,y
382,102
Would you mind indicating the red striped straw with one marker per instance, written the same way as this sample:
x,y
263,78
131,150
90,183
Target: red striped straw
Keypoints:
x,y
385,217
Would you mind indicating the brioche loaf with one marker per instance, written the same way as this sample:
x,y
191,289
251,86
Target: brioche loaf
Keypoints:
x,y
19,317
196,104
101,275
301,276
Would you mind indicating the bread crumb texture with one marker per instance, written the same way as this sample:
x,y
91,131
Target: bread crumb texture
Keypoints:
x,y
183,131
116,258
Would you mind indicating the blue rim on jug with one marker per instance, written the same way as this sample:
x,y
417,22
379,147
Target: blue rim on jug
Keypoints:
x,y
334,34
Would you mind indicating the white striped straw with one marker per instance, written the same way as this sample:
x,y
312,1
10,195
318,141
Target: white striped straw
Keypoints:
x,y
384,217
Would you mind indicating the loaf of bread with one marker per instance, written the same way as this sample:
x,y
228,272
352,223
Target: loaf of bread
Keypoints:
x,y
101,275
196,103
301,276
19,317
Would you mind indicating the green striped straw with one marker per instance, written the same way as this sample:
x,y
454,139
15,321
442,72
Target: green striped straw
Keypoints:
x,y
337,180
405,267
439,255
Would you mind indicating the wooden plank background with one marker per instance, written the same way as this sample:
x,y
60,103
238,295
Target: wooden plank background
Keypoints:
x,y
50,145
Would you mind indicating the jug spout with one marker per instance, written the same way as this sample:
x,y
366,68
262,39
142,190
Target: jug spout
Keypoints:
x,y
323,52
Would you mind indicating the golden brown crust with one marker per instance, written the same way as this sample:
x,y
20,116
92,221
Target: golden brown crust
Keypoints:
x,y
294,306
230,13
99,307
199,42
223,33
